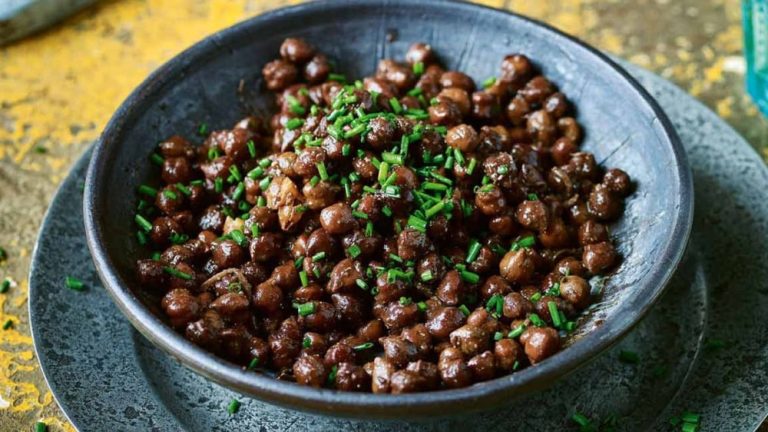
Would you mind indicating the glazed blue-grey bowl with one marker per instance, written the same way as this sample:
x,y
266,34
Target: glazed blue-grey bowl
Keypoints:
x,y
217,81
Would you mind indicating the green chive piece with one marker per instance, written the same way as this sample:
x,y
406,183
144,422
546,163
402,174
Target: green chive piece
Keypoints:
x,y
435,209
213,153
536,320
322,170
170,194
405,301
305,309
689,427
464,309
516,332
474,251
524,242
234,406
434,186
218,185
332,375
254,362
361,283
141,237
554,313
427,276
395,104
318,256
156,159
346,149
690,417
354,251
369,229
202,130
304,278
470,277
359,214
183,189
148,191
498,336
471,166
8,324
177,273
363,346
239,238
41,427
422,306
337,77
489,82
251,148
417,223
5,286
580,419
74,283
630,357
383,171
264,183
536,297
294,123
295,106
306,342
533,197
418,68
392,158
387,211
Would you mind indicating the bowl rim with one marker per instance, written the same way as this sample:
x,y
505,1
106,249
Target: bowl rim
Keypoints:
x,y
369,405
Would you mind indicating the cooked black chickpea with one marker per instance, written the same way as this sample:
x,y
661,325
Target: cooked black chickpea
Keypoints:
x,y
408,232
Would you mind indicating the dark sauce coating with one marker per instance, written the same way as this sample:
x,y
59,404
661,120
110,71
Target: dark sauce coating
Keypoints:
x,y
411,231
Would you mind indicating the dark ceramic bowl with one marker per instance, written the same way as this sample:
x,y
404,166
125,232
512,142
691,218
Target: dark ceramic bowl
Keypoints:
x,y
624,128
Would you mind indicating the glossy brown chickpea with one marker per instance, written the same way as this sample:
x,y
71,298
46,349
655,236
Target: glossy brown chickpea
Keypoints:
x,y
516,306
228,254
176,170
444,321
162,229
412,244
490,200
556,235
381,375
570,129
458,96
381,134
456,79
266,247
508,353
533,214
604,204
516,68
562,150
279,74
317,69
454,372
617,182
517,110
181,307
451,289
420,52
556,105
598,257
364,166
517,266
540,343
344,276
310,370
483,366
267,297
399,75
591,232
537,90
296,50
463,137
445,113
541,127
338,219
232,307
176,146
351,377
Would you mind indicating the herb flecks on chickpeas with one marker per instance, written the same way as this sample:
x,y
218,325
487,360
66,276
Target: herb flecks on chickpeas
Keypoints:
x,y
409,231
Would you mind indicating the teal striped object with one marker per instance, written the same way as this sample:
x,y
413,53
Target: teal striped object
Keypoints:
x,y
19,18
755,15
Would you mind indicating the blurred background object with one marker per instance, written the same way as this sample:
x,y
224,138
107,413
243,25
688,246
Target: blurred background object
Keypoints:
x,y
755,15
19,18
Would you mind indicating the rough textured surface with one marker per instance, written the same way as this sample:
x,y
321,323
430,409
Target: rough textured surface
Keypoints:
x,y
58,88
719,290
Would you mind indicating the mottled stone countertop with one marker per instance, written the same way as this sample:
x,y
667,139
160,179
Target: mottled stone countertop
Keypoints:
x,y
58,89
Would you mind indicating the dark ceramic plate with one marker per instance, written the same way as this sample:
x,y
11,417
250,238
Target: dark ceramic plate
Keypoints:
x,y
622,122
92,357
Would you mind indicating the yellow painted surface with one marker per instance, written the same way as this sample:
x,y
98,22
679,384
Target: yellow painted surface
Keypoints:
x,y
58,89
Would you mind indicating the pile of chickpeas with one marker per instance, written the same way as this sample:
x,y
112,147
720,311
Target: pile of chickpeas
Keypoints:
x,y
410,231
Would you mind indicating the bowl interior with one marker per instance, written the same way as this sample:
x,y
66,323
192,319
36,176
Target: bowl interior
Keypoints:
x,y
622,126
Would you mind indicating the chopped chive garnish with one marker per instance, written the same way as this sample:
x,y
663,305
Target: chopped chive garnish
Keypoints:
x,y
581,419
322,170
156,159
346,149
254,362
337,77
183,189
8,324
489,82
516,332
416,91
318,256
5,286
238,237
305,309
536,297
294,123
202,130
459,156
234,406
440,178
295,106
524,242
502,169
630,357
498,336
141,237
355,131
306,342
418,68
470,277
405,301
238,192
473,252
435,209
554,313
427,276
74,283
170,194
303,277
690,417
361,283
417,223
41,427
422,306
213,153
218,185
148,191
471,166
363,346
143,223
434,186
359,214
354,251
369,229
387,211
264,183
533,197
464,309
536,320
383,171
392,158
395,104
251,148
177,273
235,173
332,375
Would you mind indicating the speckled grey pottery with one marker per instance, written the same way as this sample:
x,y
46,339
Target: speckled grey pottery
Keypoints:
x,y
107,376
624,128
